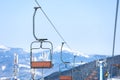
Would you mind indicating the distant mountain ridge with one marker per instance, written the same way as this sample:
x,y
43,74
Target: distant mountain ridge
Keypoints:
x,y
7,61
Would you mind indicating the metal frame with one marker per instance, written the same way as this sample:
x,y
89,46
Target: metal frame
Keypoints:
x,y
64,77
40,64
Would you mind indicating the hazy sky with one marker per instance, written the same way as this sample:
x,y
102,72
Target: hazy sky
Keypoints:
x,y
86,25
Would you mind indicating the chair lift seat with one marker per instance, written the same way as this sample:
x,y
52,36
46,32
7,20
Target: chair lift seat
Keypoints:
x,y
117,65
41,64
65,78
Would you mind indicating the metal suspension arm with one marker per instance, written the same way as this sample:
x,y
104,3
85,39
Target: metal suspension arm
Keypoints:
x,y
61,54
34,22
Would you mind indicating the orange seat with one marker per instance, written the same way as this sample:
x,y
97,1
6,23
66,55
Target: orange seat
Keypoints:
x,y
41,64
117,65
65,78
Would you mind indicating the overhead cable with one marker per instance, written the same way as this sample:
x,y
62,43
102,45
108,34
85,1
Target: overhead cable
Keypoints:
x,y
52,24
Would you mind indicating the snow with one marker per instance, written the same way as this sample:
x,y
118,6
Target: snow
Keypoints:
x,y
114,79
58,49
26,50
78,53
3,68
25,66
4,48
75,52
4,78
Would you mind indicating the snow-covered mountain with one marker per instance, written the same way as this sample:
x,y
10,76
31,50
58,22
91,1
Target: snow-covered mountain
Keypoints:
x,y
7,61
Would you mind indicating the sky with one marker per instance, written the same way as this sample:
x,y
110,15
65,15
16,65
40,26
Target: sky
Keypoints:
x,y
86,25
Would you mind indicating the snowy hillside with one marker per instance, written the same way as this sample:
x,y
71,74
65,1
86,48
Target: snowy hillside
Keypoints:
x,y
7,61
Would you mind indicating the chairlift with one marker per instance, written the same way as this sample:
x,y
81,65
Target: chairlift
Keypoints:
x,y
66,67
117,65
66,64
42,63
74,64
40,42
